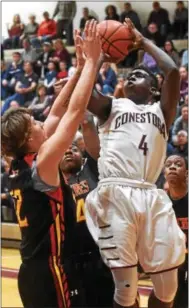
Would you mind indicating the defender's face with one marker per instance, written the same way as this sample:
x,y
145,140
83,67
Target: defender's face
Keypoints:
x,y
138,83
37,135
72,160
175,169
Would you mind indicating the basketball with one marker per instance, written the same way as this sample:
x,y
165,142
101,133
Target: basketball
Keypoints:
x,y
116,38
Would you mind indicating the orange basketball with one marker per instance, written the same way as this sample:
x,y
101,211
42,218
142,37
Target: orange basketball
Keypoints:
x,y
116,38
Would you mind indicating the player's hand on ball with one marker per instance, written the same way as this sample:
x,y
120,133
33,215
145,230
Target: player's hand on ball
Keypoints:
x,y
137,36
79,49
91,42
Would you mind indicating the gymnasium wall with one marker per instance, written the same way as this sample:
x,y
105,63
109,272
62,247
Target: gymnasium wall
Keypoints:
x,y
26,7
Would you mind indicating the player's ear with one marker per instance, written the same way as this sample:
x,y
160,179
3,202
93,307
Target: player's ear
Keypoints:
x,y
186,174
155,94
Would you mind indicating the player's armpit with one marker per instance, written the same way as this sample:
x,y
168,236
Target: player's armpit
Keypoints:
x,y
90,136
100,105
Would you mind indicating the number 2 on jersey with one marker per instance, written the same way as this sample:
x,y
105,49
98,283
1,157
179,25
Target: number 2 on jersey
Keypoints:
x,y
143,145
23,222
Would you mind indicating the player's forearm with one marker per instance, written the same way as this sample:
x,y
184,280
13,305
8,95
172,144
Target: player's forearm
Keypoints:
x,y
82,93
62,100
164,61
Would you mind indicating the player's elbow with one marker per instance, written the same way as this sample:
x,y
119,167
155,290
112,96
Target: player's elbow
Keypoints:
x,y
173,77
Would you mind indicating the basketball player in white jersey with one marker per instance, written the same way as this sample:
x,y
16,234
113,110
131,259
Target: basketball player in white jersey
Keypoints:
x,y
130,219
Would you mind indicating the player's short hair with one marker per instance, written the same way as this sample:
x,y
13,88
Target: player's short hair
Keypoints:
x,y
15,131
154,81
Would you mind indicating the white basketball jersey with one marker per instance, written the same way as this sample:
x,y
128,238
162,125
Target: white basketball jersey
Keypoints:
x,y
133,142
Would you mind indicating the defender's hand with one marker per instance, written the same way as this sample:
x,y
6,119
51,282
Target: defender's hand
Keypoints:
x,y
91,42
79,49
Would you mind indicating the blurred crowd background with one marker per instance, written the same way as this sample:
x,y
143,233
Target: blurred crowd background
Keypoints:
x,y
37,54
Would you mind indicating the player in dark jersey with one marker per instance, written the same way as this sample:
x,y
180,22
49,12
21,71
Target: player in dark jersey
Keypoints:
x,y
93,279
176,172
37,149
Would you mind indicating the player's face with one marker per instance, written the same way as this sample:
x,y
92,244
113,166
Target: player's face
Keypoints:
x,y
137,86
72,160
175,169
37,135
80,144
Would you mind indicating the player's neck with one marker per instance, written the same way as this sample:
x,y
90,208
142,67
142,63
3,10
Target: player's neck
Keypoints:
x,y
137,100
178,191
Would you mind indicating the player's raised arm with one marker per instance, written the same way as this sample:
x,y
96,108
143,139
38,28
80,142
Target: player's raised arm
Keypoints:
x,y
170,91
53,149
99,104
61,102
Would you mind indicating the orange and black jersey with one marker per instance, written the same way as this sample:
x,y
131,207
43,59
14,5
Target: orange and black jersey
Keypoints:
x,y
82,183
41,219
40,215
180,207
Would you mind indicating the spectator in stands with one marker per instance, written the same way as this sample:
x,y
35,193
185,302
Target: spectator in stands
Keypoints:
x,y
181,123
4,90
184,82
50,78
160,17
15,32
85,17
160,79
149,61
14,104
182,143
45,32
13,72
111,13
25,88
43,60
184,61
169,48
65,12
2,52
29,54
40,103
130,13
180,24
7,203
186,100
30,30
152,33
63,72
72,69
107,79
60,53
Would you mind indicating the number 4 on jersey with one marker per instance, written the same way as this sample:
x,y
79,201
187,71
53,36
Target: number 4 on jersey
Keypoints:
x,y
143,145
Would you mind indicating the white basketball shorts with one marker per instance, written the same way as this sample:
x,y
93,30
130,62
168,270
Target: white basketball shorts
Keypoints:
x,y
132,224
